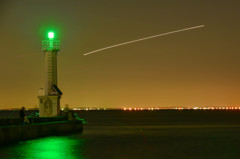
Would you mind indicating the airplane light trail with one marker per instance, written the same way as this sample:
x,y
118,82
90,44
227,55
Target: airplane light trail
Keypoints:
x,y
150,37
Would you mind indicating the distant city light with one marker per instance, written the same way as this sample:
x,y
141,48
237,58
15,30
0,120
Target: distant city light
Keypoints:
x,y
209,108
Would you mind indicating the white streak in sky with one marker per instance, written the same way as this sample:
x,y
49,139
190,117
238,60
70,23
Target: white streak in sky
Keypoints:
x,y
150,37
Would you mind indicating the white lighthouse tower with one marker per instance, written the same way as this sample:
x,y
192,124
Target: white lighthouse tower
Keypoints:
x,y
49,100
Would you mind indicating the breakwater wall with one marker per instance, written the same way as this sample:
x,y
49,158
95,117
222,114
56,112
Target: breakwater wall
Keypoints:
x,y
38,127
18,121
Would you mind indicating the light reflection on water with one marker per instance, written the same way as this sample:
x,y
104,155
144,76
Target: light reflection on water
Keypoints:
x,y
60,147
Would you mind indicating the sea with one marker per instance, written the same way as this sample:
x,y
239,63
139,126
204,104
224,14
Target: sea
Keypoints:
x,y
148,134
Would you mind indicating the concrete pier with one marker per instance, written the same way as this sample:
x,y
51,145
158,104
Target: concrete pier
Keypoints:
x,y
40,127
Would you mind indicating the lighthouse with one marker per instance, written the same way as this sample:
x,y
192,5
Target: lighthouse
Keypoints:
x,y
49,98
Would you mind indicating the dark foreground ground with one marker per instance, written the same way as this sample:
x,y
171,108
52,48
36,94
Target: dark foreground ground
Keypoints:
x,y
141,135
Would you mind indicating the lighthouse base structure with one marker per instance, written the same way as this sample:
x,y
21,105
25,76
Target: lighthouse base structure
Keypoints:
x,y
49,106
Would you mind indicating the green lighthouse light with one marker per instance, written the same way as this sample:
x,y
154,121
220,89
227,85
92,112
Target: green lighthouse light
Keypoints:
x,y
51,35
50,44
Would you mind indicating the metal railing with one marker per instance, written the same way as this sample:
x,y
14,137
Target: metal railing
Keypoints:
x,y
53,45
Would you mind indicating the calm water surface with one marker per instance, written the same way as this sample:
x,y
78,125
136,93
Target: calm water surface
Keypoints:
x,y
140,135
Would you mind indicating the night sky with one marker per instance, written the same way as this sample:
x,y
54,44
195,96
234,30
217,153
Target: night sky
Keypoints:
x,y
194,68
